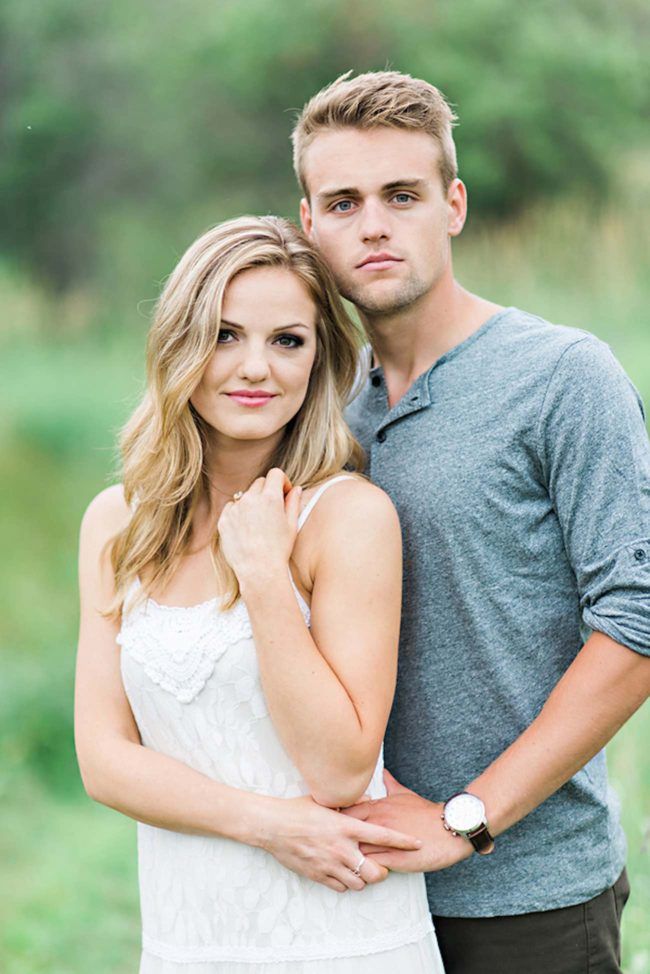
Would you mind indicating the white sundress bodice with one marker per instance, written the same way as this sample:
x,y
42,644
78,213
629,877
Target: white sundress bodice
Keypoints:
x,y
192,680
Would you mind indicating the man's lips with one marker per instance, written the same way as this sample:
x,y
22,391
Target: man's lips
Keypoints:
x,y
251,397
379,262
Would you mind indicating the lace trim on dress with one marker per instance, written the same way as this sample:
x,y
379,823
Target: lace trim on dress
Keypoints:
x,y
271,954
178,646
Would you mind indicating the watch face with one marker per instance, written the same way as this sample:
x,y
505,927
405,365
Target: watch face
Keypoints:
x,y
464,813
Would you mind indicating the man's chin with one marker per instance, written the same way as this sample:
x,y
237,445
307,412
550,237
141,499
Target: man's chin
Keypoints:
x,y
373,302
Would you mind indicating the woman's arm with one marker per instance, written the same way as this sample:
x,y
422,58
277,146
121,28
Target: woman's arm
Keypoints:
x,y
329,691
117,770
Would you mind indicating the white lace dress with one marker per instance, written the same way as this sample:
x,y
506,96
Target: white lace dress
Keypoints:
x,y
211,905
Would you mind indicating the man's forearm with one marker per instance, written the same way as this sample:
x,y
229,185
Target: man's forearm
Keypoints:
x,y
602,688
604,685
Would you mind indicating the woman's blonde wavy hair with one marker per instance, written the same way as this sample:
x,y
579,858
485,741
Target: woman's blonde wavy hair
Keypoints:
x,y
164,442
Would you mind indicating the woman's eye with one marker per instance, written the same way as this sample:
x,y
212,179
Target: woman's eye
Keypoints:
x,y
343,206
289,341
225,336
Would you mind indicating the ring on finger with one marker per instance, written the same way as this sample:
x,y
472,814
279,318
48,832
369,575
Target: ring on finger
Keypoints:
x,y
357,869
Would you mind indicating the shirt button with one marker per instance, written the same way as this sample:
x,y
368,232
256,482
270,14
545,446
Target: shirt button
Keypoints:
x,y
381,436
639,554
376,381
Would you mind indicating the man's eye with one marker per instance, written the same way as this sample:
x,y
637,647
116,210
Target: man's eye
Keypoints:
x,y
403,198
225,336
289,341
343,206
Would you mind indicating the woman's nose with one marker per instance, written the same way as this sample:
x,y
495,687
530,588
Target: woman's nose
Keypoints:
x,y
254,365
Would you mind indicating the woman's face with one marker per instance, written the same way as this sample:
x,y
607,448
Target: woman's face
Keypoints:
x,y
257,378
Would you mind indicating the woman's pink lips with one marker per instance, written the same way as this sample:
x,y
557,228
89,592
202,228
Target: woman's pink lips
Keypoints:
x,y
251,398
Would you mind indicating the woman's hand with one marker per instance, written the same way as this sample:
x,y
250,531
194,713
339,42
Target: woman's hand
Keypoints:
x,y
257,532
323,845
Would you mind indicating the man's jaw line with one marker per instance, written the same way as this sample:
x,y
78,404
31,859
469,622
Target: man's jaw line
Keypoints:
x,y
397,331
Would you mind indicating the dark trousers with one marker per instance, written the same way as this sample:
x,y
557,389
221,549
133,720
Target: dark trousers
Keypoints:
x,y
582,939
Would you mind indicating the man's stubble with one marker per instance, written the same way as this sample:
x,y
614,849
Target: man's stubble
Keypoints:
x,y
407,294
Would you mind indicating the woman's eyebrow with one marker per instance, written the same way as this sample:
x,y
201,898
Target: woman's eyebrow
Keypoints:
x,y
293,324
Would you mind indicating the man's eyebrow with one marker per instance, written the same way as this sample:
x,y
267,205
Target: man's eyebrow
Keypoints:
x,y
328,194
293,324
415,183
407,183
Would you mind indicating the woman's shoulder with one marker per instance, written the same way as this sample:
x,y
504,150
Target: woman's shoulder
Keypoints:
x,y
352,529
350,499
107,514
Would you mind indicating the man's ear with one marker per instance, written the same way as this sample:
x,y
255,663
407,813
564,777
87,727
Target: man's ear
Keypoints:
x,y
457,203
305,217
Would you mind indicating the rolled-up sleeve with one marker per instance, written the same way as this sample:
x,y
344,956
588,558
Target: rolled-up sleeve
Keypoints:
x,y
595,456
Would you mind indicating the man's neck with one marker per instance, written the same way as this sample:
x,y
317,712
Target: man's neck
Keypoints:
x,y
409,341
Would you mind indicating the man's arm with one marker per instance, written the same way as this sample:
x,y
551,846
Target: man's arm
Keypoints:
x,y
603,687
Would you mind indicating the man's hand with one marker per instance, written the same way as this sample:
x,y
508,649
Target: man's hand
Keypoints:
x,y
405,811
323,845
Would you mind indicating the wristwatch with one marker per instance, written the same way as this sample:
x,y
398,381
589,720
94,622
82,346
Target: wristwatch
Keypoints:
x,y
464,814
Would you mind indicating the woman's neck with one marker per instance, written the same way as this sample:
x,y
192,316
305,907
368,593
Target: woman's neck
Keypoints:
x,y
232,465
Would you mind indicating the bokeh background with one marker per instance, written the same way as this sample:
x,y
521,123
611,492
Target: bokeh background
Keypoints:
x,y
125,130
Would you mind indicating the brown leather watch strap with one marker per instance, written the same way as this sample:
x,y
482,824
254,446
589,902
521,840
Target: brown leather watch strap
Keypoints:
x,y
481,840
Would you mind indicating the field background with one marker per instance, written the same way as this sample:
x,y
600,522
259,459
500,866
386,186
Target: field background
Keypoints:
x,y
125,134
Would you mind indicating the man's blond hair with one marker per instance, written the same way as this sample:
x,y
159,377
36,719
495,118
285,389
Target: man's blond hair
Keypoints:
x,y
372,100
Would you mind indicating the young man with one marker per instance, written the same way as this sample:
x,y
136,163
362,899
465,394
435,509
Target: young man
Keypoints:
x,y
516,455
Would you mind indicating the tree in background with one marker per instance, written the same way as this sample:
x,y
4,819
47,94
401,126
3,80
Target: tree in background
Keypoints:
x,y
127,128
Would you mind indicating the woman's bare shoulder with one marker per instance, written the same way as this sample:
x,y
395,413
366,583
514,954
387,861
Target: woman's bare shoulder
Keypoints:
x,y
107,514
352,502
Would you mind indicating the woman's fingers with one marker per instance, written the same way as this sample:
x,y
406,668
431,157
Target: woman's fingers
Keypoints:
x,y
276,481
373,872
292,505
332,883
349,879
377,835
359,872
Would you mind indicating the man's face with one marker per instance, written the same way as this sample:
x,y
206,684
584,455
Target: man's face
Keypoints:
x,y
378,212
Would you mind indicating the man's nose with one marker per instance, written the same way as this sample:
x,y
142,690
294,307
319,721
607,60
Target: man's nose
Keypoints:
x,y
374,223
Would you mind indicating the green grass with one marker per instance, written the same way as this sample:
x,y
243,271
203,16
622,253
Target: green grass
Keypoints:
x,y
68,896
68,901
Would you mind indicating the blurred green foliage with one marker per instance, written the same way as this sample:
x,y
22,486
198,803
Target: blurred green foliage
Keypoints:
x,y
125,124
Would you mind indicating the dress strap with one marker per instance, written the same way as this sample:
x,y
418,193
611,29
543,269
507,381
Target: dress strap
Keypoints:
x,y
306,511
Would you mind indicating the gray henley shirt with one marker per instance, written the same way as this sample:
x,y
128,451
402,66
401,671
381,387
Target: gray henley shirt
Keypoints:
x,y
520,469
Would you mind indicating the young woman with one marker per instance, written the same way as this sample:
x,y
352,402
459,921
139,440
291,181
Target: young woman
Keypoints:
x,y
254,590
